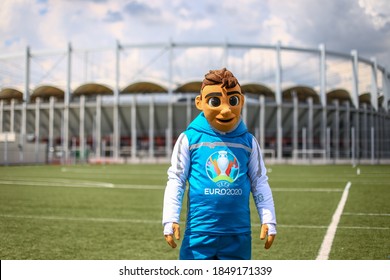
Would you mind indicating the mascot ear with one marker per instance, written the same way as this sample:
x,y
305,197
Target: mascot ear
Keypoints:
x,y
198,102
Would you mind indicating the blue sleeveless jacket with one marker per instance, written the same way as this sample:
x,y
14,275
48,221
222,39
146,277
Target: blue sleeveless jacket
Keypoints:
x,y
219,186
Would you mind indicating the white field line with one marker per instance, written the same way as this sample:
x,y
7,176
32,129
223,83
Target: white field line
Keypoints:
x,y
366,214
58,183
82,219
306,190
110,172
78,184
340,227
374,183
139,221
331,232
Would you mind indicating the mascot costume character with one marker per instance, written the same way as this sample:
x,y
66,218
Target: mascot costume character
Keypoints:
x,y
222,163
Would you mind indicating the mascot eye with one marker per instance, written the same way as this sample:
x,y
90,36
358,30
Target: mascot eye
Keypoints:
x,y
234,100
214,102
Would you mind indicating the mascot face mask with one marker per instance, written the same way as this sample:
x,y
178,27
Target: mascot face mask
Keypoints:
x,y
221,106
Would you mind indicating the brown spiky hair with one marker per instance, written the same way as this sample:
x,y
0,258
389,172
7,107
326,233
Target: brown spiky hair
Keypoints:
x,y
221,76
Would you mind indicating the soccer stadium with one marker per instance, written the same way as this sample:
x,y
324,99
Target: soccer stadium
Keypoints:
x,y
129,103
86,137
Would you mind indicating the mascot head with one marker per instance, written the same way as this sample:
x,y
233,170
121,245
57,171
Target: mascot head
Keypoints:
x,y
221,100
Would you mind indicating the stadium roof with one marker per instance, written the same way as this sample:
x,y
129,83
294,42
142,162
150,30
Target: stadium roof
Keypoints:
x,y
45,92
365,98
93,89
11,93
259,89
302,92
338,94
190,87
144,87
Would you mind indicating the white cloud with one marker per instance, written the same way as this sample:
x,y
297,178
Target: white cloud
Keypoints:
x,y
276,29
378,10
192,63
341,24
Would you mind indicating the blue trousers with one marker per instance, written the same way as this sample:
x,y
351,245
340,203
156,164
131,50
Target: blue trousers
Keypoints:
x,y
216,247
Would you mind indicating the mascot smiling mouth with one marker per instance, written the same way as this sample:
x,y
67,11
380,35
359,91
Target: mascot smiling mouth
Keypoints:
x,y
225,121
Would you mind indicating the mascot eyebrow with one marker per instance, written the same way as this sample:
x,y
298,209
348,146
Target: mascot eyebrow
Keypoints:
x,y
216,94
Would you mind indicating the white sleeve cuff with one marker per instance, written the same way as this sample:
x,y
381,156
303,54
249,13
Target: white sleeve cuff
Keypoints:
x,y
168,230
271,229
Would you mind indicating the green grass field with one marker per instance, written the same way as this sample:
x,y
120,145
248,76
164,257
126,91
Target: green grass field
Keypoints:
x,y
114,212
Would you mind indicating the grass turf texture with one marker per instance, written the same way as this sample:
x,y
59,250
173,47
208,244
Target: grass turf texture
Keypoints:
x,y
114,212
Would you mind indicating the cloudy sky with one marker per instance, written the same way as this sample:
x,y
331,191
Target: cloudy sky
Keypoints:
x,y
342,25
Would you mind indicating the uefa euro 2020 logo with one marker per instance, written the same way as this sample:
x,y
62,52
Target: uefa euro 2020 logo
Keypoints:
x,y
222,168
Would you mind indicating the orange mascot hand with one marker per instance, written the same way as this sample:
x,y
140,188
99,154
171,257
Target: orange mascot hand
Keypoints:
x,y
176,233
264,233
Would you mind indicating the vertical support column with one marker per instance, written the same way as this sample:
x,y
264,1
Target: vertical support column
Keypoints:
x,y
304,142
376,112
65,140
295,124
98,127
23,129
262,121
65,136
386,90
365,132
12,116
374,84
382,135
374,133
386,136
336,129
82,128
328,150
115,135
51,128
20,139
116,128
347,126
5,149
323,95
386,122
133,124
37,130
373,145
371,132
1,115
169,132
355,78
357,134
278,93
353,149
310,126
151,127
355,99
27,72
26,97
